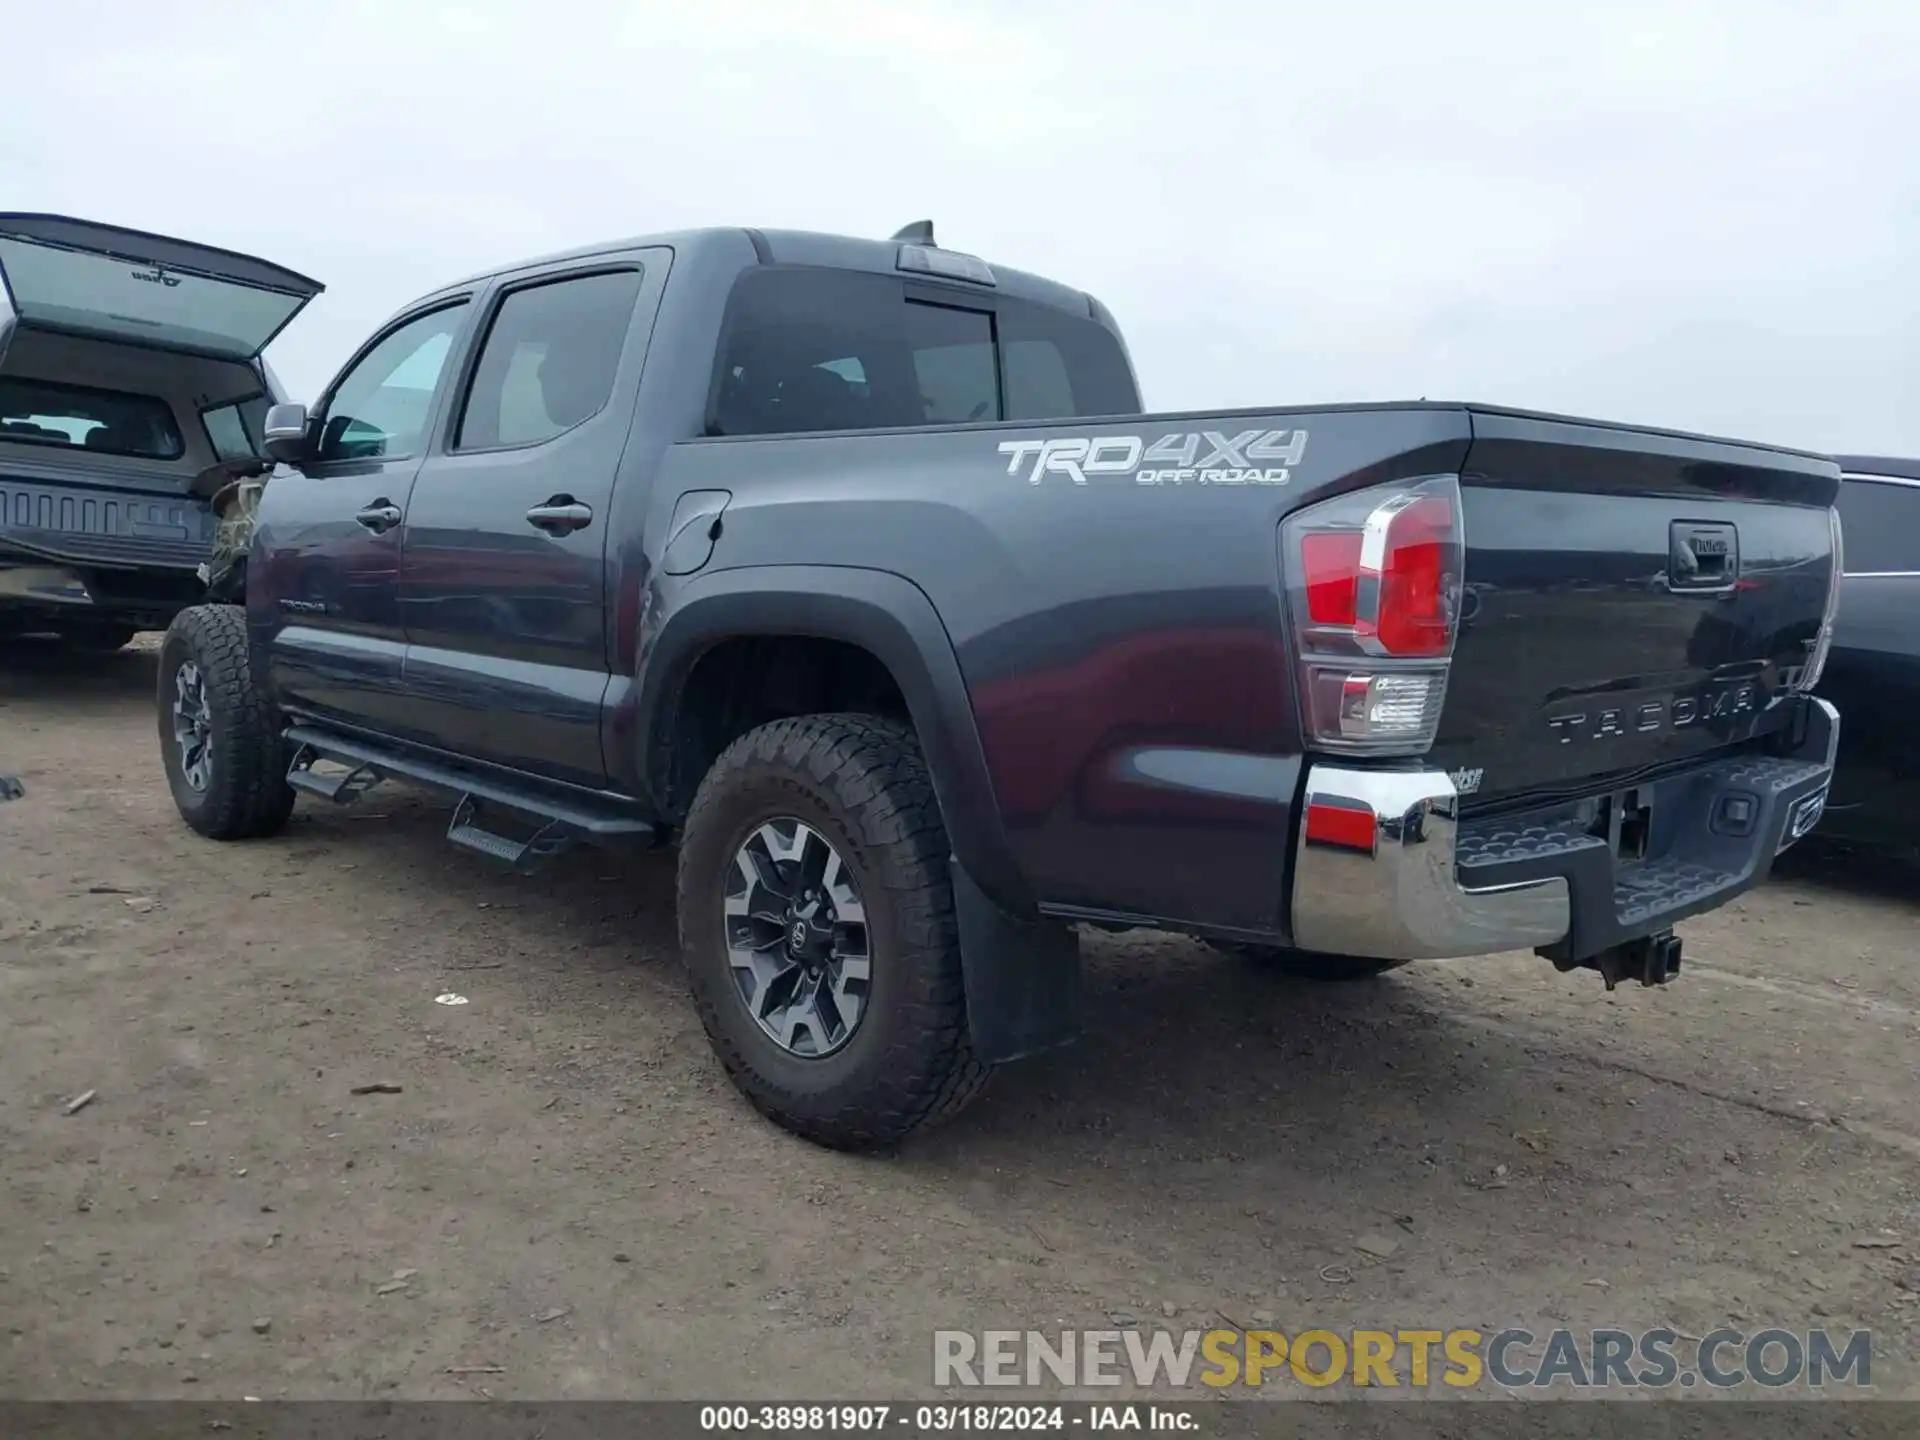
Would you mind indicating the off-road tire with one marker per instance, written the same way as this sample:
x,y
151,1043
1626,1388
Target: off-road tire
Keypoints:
x,y
247,796
1308,964
859,780
99,639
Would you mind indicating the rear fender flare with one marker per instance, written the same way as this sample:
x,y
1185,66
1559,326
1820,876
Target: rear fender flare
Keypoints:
x,y
882,613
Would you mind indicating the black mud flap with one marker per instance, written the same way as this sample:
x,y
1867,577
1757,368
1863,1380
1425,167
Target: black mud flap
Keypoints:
x,y
1022,976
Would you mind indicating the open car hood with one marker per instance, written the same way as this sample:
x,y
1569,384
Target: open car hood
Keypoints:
x,y
80,277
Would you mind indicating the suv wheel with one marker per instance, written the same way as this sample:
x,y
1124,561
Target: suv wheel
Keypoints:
x,y
219,738
1308,964
817,922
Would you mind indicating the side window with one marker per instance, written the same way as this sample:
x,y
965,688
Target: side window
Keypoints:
x,y
548,361
380,406
227,428
822,349
1880,527
253,414
811,350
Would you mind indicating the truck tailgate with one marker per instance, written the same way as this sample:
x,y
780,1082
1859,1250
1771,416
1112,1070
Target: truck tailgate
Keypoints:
x,y
94,524
1632,598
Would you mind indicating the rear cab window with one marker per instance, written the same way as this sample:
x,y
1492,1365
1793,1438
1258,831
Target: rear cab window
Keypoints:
x,y
809,349
77,417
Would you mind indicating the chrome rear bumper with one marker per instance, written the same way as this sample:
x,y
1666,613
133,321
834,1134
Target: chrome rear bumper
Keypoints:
x,y
1378,866
1399,898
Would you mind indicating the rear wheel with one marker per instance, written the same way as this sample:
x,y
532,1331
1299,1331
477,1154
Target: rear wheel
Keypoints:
x,y
219,738
817,923
1308,964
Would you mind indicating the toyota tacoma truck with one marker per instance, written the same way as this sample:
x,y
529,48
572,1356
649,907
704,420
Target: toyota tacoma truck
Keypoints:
x,y
131,387
855,570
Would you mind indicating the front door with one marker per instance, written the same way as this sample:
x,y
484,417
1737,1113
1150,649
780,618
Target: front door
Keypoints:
x,y
503,585
324,581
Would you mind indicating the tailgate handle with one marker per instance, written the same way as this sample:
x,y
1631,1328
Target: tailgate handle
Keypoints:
x,y
1702,555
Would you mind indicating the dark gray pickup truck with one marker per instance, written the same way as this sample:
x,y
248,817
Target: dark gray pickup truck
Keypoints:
x,y
854,568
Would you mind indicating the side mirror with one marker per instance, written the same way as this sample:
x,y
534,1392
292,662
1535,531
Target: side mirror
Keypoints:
x,y
284,436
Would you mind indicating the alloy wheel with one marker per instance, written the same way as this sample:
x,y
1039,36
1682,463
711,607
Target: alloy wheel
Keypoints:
x,y
797,939
193,726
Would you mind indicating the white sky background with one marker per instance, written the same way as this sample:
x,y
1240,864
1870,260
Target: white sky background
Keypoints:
x,y
1699,213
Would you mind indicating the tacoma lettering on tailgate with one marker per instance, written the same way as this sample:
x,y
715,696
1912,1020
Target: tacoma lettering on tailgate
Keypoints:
x,y
1719,703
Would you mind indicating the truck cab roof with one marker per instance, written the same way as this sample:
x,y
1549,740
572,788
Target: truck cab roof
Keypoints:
x,y
796,247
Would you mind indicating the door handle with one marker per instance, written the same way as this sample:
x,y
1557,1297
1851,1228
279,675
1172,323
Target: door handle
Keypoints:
x,y
380,517
561,515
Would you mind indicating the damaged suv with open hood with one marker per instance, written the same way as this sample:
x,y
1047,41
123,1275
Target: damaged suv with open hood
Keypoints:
x,y
132,395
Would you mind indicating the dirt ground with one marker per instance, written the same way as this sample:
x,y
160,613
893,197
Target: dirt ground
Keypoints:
x,y
568,1193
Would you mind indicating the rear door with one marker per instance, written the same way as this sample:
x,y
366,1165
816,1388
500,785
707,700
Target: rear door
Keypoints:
x,y
323,582
503,576
80,277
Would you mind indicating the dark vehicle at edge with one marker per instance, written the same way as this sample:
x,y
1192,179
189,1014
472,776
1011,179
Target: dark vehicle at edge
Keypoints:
x,y
1873,672
131,379
855,569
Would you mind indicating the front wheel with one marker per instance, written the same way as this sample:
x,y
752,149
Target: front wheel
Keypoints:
x,y
817,923
1308,964
219,737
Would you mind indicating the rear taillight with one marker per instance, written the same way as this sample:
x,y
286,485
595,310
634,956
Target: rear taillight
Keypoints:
x,y
1373,594
1823,642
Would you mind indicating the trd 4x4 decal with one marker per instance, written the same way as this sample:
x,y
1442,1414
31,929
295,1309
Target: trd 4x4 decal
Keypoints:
x,y
1176,459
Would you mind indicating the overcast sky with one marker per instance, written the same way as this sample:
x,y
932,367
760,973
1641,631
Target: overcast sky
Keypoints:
x,y
1698,213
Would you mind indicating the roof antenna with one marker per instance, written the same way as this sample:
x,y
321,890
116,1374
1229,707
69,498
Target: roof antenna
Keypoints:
x,y
920,232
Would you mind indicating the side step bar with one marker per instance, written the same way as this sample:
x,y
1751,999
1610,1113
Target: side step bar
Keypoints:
x,y
561,821
466,831
341,789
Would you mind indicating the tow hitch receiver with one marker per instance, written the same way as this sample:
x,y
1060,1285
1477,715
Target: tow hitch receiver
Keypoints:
x,y
1652,960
